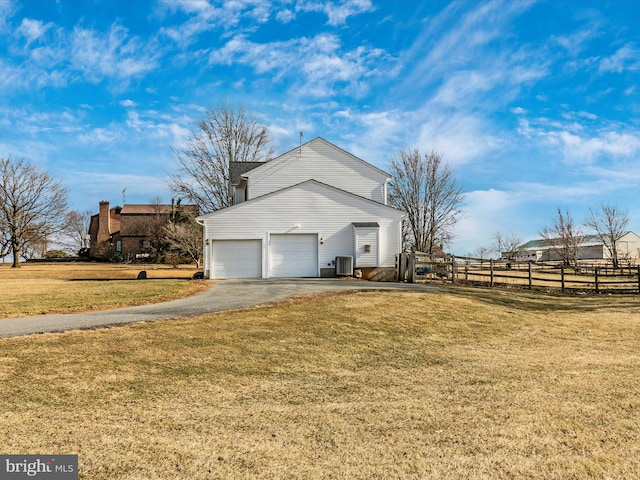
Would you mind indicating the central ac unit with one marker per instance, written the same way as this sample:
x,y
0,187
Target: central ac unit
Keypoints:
x,y
344,266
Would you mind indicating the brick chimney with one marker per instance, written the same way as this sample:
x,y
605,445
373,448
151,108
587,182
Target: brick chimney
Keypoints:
x,y
104,222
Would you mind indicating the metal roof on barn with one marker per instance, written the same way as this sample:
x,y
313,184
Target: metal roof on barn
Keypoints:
x,y
541,244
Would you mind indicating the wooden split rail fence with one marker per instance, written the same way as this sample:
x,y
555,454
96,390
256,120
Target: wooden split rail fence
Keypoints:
x,y
599,278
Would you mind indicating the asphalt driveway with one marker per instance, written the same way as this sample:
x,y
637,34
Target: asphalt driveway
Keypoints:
x,y
223,295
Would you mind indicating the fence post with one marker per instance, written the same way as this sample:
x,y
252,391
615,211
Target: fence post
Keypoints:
x,y
638,279
412,268
466,273
595,271
562,276
491,270
530,278
453,270
402,267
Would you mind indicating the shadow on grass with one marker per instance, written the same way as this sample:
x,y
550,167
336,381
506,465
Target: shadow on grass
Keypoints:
x,y
125,279
543,301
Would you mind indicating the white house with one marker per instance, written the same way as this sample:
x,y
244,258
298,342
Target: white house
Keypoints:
x,y
299,214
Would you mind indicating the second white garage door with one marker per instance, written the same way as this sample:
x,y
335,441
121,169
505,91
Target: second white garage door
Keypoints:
x,y
236,259
293,256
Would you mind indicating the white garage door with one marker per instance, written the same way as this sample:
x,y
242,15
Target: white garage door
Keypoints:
x,y
294,256
236,259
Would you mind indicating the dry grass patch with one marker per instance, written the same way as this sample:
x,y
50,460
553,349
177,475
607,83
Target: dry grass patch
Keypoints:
x,y
39,288
458,384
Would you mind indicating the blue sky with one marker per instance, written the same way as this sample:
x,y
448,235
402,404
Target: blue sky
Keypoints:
x,y
534,104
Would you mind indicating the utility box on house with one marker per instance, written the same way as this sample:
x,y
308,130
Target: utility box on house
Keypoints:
x,y
344,266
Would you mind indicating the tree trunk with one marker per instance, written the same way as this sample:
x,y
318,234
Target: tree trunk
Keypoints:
x,y
16,255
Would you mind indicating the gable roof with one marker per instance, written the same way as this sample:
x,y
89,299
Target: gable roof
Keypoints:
x,y
294,153
248,203
152,209
237,169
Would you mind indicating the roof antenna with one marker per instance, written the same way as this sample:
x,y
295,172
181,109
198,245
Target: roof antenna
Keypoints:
x,y
124,197
301,135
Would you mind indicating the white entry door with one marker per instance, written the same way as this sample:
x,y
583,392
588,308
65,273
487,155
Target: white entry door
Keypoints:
x,y
293,255
236,259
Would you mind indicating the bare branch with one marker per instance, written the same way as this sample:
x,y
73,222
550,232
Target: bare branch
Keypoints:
x,y
427,191
32,205
75,231
506,246
609,224
225,135
564,237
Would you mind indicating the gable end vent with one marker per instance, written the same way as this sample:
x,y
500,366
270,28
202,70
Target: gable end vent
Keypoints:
x,y
344,266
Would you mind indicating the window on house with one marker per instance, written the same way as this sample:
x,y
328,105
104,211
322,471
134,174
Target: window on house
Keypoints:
x,y
118,246
145,244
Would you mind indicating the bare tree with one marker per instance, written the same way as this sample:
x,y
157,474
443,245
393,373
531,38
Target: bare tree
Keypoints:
x,y
609,224
425,188
564,237
482,252
154,228
75,231
506,246
32,205
225,135
35,246
185,239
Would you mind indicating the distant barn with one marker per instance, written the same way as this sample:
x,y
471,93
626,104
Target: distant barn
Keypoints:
x,y
591,248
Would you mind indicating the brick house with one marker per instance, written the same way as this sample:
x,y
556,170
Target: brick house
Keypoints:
x,y
131,231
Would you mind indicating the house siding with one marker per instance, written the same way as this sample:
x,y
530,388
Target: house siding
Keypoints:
x,y
363,237
629,246
309,208
320,161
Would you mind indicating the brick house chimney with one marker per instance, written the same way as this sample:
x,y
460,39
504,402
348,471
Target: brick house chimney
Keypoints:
x,y
104,222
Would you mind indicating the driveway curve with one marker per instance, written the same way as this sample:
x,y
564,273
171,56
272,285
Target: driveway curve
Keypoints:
x,y
223,295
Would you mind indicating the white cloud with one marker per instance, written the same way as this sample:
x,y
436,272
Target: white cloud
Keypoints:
x,y
99,136
575,42
625,58
32,30
588,115
461,137
285,15
337,12
7,9
115,56
457,41
485,213
558,193
583,138
609,143
87,188
205,16
316,66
